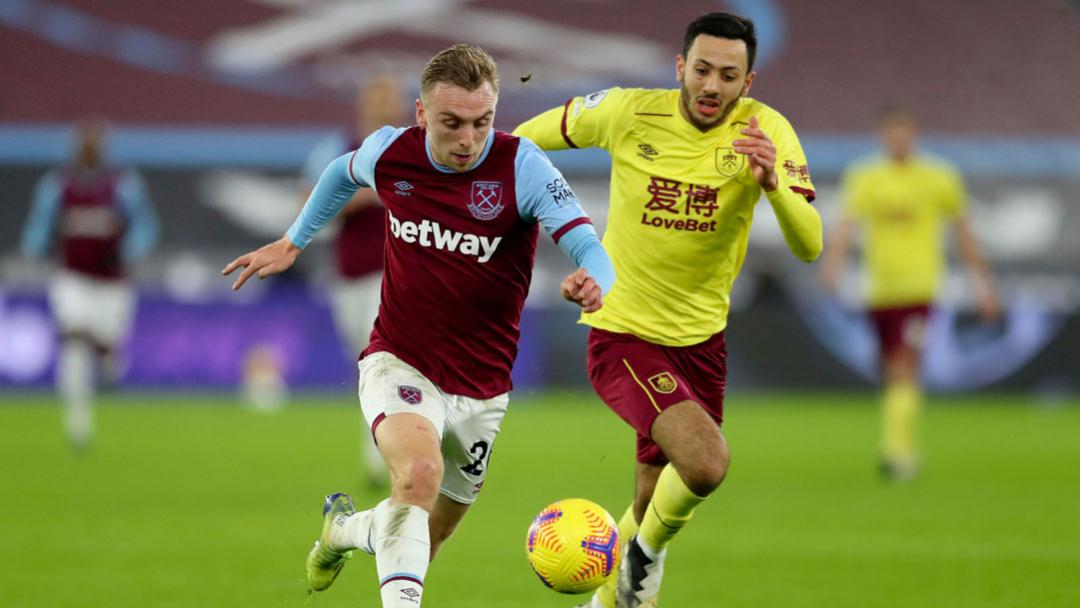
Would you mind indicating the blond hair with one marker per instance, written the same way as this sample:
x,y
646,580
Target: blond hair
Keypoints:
x,y
463,65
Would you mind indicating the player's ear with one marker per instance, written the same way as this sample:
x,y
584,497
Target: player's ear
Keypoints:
x,y
421,118
680,66
749,81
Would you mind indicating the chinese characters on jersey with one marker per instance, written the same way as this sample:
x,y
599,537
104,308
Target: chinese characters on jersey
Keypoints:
x,y
679,206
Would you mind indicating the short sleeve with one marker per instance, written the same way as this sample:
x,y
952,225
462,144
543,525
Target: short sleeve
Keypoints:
x,y
361,168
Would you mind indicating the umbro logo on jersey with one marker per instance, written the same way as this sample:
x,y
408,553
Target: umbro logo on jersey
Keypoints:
x,y
431,234
647,151
402,188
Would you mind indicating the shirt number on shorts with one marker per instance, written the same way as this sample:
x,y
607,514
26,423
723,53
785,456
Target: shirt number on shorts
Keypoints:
x,y
480,451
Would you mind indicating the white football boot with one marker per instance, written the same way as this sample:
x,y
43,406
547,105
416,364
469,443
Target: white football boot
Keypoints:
x,y
639,577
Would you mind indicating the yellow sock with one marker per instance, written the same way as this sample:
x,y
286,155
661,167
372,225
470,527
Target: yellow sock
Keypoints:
x,y
628,527
671,507
900,410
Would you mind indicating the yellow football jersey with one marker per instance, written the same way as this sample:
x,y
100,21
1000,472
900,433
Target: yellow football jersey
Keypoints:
x,y
902,207
682,202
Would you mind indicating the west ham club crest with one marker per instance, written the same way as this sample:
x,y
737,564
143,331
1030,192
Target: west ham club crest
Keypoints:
x,y
410,394
486,201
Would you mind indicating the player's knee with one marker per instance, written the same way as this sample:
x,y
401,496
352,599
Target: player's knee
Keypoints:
x,y
708,473
418,481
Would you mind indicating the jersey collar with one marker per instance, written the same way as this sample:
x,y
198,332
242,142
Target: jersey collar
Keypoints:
x,y
445,169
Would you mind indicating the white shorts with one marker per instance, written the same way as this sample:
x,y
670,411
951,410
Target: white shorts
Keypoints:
x,y
467,426
355,303
101,308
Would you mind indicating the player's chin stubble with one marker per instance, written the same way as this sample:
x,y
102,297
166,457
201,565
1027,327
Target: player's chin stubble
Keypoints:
x,y
685,98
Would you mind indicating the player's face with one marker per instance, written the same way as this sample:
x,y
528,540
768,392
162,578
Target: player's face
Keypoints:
x,y
457,121
714,76
379,103
898,137
90,139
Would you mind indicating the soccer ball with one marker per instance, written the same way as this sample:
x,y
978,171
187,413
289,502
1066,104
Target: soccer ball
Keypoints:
x,y
573,545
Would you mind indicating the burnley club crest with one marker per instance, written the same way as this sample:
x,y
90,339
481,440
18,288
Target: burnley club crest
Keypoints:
x,y
486,201
729,163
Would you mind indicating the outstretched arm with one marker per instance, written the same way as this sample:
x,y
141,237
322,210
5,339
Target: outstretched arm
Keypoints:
x,y
331,193
989,307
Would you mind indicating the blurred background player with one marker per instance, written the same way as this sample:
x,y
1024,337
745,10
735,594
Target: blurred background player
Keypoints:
x,y
101,221
688,167
901,200
358,244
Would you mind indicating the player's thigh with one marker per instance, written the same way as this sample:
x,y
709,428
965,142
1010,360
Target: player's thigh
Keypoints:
x,y
406,438
71,303
389,386
406,414
471,428
114,310
901,336
688,434
634,378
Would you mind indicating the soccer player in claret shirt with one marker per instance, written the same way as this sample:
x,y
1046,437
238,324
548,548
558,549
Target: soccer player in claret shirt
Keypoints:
x,y
101,221
688,167
462,206
902,199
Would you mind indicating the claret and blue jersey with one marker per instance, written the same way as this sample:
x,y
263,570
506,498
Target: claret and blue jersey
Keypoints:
x,y
460,249
100,220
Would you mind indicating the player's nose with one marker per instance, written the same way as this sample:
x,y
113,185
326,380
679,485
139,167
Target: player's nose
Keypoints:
x,y
468,137
711,85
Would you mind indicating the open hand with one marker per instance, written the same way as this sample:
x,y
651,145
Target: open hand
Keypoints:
x,y
761,154
266,260
580,288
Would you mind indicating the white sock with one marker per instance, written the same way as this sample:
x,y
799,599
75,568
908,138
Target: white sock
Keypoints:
x,y
355,531
402,552
75,383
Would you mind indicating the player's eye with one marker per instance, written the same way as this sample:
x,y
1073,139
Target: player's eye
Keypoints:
x,y
451,124
480,124
701,71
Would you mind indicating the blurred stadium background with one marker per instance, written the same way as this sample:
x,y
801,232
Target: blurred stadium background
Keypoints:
x,y
218,103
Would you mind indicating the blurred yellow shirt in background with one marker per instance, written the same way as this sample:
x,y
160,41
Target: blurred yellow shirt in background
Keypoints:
x,y
903,207
681,206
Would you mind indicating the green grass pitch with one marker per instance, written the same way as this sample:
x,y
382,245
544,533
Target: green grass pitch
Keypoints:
x,y
192,501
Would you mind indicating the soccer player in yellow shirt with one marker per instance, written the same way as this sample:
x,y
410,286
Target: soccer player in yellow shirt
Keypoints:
x,y
901,200
688,168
